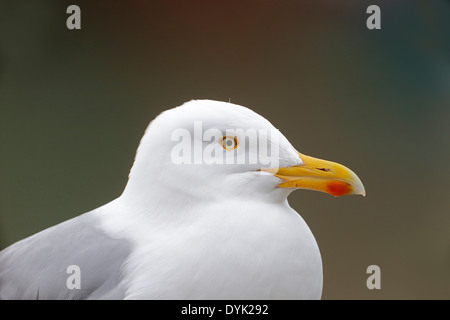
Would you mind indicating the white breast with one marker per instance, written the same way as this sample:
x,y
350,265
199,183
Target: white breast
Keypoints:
x,y
241,251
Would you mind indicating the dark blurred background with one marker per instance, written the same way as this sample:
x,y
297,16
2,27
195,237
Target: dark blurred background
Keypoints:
x,y
74,105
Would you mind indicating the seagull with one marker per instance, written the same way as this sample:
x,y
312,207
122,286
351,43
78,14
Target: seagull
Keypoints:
x,y
203,216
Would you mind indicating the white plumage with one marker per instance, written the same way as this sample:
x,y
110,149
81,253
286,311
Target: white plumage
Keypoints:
x,y
182,231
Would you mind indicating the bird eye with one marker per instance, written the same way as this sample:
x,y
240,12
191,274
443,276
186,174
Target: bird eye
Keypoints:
x,y
228,143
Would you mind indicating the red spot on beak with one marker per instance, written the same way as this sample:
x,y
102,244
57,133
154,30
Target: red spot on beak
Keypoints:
x,y
338,188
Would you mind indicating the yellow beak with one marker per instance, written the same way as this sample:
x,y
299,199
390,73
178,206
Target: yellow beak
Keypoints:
x,y
320,175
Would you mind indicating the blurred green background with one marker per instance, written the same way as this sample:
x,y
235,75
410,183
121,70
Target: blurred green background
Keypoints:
x,y
74,105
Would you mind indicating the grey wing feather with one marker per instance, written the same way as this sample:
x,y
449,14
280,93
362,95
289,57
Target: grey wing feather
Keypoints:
x,y
37,267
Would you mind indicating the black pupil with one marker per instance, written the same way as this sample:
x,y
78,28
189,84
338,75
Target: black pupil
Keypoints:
x,y
229,142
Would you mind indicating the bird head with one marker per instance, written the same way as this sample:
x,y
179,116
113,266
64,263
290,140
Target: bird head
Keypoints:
x,y
208,149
